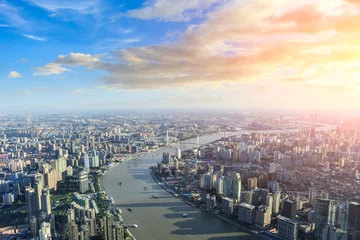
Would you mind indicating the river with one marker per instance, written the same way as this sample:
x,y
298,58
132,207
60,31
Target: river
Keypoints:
x,y
161,218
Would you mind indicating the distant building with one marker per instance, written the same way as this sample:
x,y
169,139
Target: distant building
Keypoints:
x,y
287,228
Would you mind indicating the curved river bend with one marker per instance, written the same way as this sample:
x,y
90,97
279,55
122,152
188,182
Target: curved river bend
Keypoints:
x,y
161,218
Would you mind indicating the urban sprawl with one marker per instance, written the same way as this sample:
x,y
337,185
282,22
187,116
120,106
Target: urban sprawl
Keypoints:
x,y
277,177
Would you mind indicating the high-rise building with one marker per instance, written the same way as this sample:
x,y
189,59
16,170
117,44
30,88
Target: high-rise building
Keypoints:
x,y
208,182
118,232
39,184
263,217
73,231
312,195
45,201
247,213
34,228
353,227
227,206
289,209
86,162
166,158
323,213
83,182
237,186
219,185
287,228
276,202
269,202
330,232
32,208
252,183
227,186
45,231
272,167
108,221
178,153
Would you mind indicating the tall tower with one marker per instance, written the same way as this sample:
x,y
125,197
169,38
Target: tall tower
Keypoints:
x,y
45,201
108,226
167,137
237,186
323,209
198,140
32,208
86,162
45,231
353,228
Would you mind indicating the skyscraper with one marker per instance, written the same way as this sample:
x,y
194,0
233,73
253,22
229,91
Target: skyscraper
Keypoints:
x,y
32,208
45,231
45,201
323,215
178,153
73,231
86,162
219,185
118,232
287,228
34,228
276,202
289,209
83,182
353,228
108,226
237,186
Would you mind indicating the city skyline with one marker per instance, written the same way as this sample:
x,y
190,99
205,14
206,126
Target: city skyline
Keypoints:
x,y
110,55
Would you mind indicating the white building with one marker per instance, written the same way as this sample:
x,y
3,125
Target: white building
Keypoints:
x,y
272,167
219,185
263,217
178,153
86,162
45,231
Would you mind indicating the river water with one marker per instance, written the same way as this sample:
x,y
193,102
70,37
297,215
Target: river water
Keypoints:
x,y
161,218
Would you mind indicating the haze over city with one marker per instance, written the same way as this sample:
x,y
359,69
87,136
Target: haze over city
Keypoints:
x,y
103,54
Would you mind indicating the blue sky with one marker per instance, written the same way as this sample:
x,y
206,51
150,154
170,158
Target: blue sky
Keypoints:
x,y
114,54
35,33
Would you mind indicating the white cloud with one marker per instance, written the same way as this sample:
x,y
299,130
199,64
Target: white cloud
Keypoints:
x,y
50,69
81,6
12,16
78,59
42,39
14,74
20,92
171,10
4,26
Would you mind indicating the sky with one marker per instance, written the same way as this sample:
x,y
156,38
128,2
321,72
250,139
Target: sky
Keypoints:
x,y
58,55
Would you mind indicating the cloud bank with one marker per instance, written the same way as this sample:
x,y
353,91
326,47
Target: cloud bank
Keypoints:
x,y
314,43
